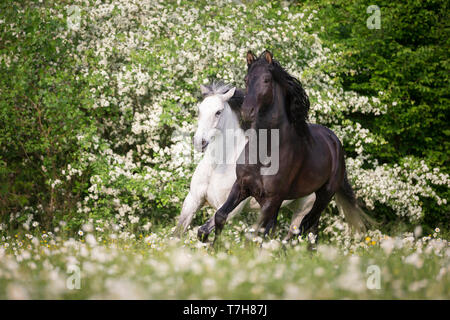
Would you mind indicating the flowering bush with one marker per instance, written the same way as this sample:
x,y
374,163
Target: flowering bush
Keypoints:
x,y
97,107
116,91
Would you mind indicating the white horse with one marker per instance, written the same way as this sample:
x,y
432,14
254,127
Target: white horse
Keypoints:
x,y
212,179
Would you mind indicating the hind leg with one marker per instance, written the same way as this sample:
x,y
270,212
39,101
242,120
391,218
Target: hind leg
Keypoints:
x,y
300,208
310,223
268,216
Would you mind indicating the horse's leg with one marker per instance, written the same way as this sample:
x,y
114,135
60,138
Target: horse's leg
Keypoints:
x,y
310,223
300,208
236,196
268,217
190,205
206,228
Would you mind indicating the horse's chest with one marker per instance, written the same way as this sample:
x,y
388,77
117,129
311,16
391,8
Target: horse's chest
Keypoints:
x,y
260,186
220,184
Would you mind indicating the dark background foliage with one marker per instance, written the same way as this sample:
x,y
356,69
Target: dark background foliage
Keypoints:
x,y
408,60
43,103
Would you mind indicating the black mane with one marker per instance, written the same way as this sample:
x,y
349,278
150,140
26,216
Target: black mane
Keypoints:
x,y
236,101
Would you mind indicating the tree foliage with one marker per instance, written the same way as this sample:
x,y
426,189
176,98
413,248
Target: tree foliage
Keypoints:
x,y
90,117
405,62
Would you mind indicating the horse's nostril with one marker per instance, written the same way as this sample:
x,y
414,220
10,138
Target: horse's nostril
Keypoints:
x,y
204,144
251,113
248,114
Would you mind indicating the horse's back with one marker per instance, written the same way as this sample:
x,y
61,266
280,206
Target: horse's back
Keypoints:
x,y
320,132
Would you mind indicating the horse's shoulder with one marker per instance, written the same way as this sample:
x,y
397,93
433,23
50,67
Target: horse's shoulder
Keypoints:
x,y
202,173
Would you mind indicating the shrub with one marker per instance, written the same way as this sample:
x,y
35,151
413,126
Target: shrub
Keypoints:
x,y
117,101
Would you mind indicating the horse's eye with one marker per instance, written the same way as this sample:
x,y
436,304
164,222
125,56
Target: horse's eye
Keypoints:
x,y
218,113
266,80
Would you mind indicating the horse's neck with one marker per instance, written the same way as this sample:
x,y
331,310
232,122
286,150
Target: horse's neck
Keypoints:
x,y
235,147
231,130
276,117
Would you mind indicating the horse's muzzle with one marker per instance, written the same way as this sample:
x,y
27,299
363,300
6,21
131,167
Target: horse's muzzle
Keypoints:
x,y
201,146
204,145
247,115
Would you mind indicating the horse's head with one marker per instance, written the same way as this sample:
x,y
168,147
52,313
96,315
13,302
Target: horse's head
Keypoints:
x,y
268,85
213,111
259,86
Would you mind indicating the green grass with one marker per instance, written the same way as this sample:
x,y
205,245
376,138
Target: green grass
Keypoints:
x,y
156,266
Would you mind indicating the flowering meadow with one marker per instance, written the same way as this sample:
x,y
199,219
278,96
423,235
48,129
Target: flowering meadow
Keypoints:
x,y
98,105
94,265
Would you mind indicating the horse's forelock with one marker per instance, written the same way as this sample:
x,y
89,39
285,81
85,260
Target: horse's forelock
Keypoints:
x,y
217,87
258,62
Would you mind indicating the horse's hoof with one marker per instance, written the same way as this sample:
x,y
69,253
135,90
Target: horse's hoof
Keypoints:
x,y
202,234
288,237
179,231
312,247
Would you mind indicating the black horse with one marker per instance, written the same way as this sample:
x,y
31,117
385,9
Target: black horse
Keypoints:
x,y
311,158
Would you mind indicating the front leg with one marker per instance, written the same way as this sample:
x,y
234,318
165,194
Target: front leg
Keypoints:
x,y
191,205
237,195
206,229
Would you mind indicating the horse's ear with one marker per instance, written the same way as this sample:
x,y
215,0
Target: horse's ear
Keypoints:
x,y
250,58
268,56
205,90
228,95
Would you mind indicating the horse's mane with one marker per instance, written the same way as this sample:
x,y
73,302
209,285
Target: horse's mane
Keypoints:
x,y
297,101
219,87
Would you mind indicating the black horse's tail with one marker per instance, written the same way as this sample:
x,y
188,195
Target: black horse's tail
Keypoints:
x,y
346,202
